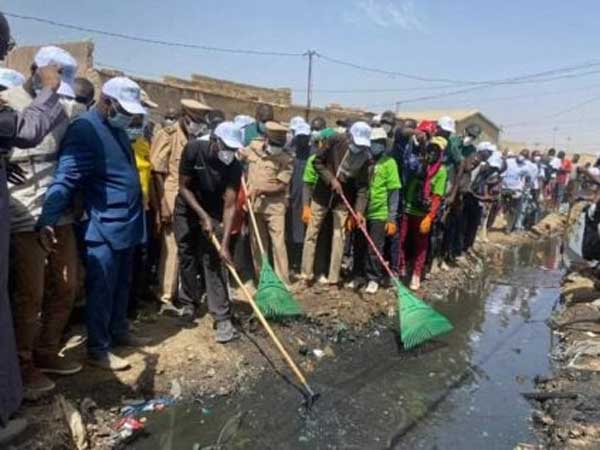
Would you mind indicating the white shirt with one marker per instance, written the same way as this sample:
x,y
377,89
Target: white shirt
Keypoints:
x,y
513,178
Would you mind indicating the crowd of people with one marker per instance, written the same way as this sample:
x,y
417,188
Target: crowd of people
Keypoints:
x,y
109,201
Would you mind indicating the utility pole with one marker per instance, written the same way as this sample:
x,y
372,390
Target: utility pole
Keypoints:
x,y
397,107
311,54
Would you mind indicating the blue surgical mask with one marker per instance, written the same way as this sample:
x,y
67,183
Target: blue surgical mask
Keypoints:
x,y
134,133
377,148
262,128
355,148
226,156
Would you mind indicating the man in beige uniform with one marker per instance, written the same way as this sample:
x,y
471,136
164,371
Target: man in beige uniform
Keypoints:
x,y
269,174
165,155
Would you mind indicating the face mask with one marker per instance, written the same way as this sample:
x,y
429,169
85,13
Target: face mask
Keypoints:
x,y
262,128
355,149
226,156
467,140
387,127
169,122
196,128
537,159
377,149
134,133
520,158
273,150
36,84
314,134
119,120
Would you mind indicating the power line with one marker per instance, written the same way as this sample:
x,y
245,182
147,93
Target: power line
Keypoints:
x,y
153,41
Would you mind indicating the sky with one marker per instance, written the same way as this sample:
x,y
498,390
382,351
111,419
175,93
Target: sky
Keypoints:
x,y
460,40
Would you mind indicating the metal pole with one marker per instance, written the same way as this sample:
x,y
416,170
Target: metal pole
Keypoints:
x,y
310,54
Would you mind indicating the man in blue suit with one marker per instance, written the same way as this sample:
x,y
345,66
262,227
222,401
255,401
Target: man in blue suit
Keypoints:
x,y
96,158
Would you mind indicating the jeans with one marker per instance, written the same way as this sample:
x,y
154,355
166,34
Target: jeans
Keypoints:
x,y
472,212
107,286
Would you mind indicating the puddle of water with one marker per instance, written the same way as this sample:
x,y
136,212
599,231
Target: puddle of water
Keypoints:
x,y
462,393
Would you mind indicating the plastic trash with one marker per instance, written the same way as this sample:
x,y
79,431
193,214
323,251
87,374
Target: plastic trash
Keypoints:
x,y
156,404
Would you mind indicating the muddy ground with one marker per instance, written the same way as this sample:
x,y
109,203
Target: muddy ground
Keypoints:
x,y
187,359
568,415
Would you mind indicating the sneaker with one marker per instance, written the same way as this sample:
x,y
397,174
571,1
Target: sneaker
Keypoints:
x,y
372,288
170,310
131,340
226,332
323,280
13,430
415,283
36,384
352,285
56,364
109,361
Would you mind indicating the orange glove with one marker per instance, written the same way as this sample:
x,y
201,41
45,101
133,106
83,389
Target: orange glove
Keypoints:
x,y
306,214
350,223
391,228
425,226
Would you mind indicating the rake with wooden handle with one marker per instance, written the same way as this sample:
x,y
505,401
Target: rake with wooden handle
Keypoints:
x,y
310,395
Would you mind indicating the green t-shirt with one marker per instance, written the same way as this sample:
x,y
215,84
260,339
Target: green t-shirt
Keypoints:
x,y
384,180
415,187
310,174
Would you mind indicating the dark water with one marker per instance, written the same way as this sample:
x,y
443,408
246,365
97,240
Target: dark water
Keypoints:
x,y
462,392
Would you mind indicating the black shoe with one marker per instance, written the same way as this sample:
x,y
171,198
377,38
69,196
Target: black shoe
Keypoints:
x,y
226,332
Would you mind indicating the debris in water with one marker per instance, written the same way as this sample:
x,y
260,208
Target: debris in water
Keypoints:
x,y
318,353
126,430
156,404
75,423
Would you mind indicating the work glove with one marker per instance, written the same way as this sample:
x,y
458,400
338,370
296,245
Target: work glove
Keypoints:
x,y
350,223
425,226
306,214
391,228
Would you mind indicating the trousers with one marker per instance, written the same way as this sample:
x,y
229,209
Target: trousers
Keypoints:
x,y
410,232
168,266
201,267
44,289
271,229
366,262
107,288
319,213
472,212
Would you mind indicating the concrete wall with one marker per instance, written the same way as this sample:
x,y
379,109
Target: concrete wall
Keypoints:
x,y
20,58
169,93
282,96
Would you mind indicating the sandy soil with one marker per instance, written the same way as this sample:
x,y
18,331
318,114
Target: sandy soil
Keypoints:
x,y
189,356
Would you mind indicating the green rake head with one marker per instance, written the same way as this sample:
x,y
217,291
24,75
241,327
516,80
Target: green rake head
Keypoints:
x,y
273,297
418,321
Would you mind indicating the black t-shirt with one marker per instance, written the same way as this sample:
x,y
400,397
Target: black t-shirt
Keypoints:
x,y
210,177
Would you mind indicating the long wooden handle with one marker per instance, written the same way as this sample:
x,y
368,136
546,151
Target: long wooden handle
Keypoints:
x,y
253,218
263,321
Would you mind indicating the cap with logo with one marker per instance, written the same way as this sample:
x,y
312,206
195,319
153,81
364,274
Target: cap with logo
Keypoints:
x,y
230,134
126,92
378,134
51,55
361,134
447,123
276,133
10,78
194,105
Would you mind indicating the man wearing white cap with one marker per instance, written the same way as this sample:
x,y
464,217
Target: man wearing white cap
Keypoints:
x,y
44,284
96,158
342,166
165,155
210,177
10,78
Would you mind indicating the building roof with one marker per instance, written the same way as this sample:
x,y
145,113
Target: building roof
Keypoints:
x,y
457,114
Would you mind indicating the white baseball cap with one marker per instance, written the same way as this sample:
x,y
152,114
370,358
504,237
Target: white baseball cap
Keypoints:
x,y
302,129
51,55
295,122
378,134
361,134
230,134
242,120
126,92
485,145
447,123
10,78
